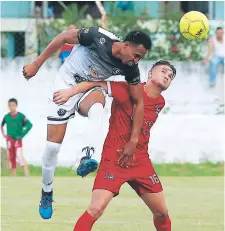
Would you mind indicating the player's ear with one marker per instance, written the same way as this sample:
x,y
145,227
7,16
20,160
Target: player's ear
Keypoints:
x,y
149,74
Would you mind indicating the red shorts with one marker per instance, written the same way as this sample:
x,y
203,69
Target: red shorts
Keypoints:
x,y
14,148
142,178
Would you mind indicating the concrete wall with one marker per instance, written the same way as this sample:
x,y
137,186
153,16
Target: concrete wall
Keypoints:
x,y
190,132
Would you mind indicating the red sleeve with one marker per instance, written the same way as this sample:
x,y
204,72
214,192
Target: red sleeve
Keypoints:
x,y
161,103
66,47
119,91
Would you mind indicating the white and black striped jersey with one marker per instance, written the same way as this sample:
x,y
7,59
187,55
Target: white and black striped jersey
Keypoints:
x,y
92,60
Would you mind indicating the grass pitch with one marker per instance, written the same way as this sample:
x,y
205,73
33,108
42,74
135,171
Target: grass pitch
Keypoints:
x,y
195,204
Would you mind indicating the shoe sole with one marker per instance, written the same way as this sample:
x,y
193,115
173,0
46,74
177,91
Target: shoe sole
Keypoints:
x,y
88,166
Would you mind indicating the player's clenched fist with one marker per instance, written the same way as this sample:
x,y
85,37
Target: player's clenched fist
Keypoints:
x,y
30,70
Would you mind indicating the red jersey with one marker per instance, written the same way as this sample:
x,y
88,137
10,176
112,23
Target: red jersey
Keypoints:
x,y
66,47
120,124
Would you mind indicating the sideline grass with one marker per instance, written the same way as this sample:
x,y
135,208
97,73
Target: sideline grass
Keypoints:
x,y
187,169
195,204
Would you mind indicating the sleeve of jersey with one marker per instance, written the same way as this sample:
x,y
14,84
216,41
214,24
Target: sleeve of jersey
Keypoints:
x,y
132,75
3,122
118,90
86,36
26,128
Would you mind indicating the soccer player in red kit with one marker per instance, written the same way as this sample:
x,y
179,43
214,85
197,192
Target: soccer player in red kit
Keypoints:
x,y
137,170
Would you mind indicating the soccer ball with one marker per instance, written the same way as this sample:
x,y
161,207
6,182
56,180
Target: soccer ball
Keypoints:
x,y
194,25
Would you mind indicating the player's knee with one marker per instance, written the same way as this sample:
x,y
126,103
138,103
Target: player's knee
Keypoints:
x,y
24,164
95,210
161,214
56,133
95,97
50,153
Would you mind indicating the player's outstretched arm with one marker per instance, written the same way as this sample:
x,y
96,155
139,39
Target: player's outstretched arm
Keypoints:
x,y
70,37
62,96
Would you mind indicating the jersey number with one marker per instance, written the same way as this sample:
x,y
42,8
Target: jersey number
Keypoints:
x,y
154,178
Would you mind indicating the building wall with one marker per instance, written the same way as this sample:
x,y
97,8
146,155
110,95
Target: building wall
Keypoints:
x,y
17,17
10,28
155,8
218,13
11,9
150,8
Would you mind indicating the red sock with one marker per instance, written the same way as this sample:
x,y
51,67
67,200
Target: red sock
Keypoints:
x,y
85,222
162,223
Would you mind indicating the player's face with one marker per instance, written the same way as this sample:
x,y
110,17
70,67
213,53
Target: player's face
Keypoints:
x,y
219,34
12,107
132,53
161,76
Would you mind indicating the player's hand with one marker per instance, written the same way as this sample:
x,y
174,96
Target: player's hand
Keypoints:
x,y
204,61
62,96
18,138
30,70
127,154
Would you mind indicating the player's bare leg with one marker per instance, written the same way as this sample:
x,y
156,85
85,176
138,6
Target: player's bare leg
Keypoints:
x,y
93,107
99,201
22,162
13,171
12,161
55,135
156,203
26,170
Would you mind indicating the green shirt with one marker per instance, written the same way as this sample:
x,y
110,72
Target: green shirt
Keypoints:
x,y
18,126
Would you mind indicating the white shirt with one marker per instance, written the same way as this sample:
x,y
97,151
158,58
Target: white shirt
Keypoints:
x,y
219,47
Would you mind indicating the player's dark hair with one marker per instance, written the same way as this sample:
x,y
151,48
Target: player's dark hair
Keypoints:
x,y
219,28
166,63
139,37
13,100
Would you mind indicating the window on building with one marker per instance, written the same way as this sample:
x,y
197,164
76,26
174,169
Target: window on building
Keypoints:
x,y
55,9
202,6
19,38
4,44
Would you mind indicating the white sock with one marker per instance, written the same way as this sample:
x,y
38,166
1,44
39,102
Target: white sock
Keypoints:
x,y
95,116
49,163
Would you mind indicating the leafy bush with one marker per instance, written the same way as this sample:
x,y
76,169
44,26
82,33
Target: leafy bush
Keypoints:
x,y
167,41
